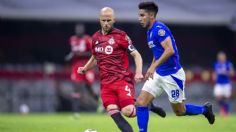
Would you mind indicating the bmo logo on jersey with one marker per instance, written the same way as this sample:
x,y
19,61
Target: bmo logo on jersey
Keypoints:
x,y
108,49
151,44
99,49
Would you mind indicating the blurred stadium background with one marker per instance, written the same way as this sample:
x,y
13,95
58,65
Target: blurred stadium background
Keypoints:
x,y
34,39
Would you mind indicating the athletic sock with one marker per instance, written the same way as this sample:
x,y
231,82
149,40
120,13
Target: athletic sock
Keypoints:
x,y
221,103
223,106
142,118
226,107
194,109
122,124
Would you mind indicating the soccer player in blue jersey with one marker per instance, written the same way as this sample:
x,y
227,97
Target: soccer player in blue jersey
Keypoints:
x,y
223,69
165,72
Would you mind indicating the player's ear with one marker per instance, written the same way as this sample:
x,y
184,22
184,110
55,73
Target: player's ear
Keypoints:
x,y
152,14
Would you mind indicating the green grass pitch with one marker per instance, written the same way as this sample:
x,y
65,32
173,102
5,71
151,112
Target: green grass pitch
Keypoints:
x,y
103,123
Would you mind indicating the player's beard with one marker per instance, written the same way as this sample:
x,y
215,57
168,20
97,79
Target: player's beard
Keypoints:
x,y
106,29
145,24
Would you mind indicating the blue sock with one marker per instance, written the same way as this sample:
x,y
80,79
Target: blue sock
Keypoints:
x,y
194,110
221,103
142,117
226,107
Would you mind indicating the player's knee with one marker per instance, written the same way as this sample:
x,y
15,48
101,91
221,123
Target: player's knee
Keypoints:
x,y
112,109
129,111
142,102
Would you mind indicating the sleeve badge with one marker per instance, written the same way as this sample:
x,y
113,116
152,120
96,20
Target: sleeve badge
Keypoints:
x,y
161,32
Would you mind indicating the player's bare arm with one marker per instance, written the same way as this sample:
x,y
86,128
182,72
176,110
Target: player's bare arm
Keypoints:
x,y
69,56
85,54
153,60
139,65
89,65
168,51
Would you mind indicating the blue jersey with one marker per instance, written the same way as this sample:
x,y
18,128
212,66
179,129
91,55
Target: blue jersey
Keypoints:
x,y
222,71
157,34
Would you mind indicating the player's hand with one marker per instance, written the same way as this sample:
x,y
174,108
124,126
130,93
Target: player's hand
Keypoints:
x,y
138,77
80,70
150,73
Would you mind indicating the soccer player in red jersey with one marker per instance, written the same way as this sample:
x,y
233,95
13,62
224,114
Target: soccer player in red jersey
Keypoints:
x,y
109,52
80,53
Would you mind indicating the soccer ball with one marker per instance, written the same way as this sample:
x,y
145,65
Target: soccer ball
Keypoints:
x,y
90,130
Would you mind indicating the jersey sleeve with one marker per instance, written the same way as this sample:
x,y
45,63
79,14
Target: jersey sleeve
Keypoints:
x,y
93,41
161,34
215,67
72,40
88,40
125,41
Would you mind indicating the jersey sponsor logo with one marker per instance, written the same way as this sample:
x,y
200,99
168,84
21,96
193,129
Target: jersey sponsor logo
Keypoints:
x,y
161,32
111,41
151,44
81,47
96,42
108,49
99,49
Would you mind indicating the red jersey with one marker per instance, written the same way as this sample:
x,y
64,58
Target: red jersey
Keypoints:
x,y
81,47
111,54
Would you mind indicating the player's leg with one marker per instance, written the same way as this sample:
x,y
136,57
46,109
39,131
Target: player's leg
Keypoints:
x,y
182,109
111,104
89,87
223,105
143,101
126,97
129,110
226,93
89,77
122,124
76,95
221,102
176,97
174,87
221,92
149,91
226,106
158,110
218,89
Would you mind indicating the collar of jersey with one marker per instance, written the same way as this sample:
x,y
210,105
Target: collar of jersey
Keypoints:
x,y
153,25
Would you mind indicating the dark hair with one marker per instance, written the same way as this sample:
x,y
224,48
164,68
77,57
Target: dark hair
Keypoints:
x,y
149,6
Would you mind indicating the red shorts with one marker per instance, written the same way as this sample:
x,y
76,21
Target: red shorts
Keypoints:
x,y
88,77
120,93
